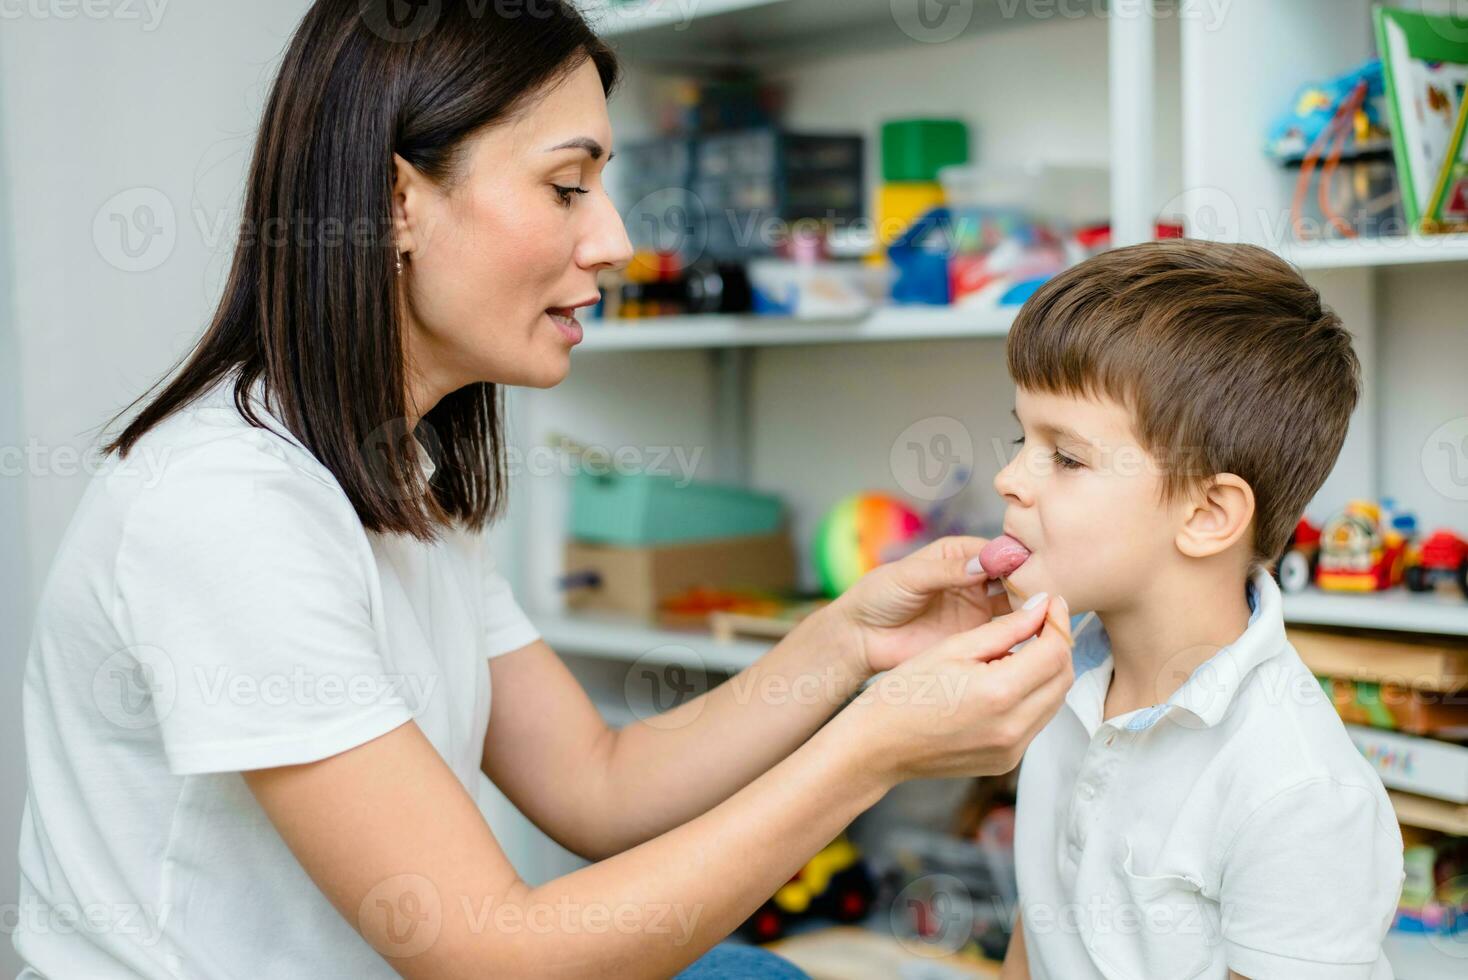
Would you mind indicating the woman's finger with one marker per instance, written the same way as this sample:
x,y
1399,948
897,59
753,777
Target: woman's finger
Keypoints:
x,y
997,637
1040,660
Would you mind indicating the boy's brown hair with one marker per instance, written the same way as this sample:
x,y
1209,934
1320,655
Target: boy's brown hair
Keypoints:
x,y
1224,356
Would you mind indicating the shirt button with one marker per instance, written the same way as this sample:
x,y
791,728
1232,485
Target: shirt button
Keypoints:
x,y
1088,791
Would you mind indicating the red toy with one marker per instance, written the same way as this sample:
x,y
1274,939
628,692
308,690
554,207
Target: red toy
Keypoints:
x,y
1358,553
1441,560
1295,569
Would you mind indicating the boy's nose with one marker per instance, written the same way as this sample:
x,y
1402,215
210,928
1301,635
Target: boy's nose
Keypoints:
x,y
1009,484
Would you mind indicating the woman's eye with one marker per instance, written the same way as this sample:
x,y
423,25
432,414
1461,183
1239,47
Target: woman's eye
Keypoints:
x,y
564,193
1019,441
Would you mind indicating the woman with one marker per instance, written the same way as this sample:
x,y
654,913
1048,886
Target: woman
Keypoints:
x,y
270,666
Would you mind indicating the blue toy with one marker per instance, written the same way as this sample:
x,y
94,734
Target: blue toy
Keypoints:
x,y
1315,106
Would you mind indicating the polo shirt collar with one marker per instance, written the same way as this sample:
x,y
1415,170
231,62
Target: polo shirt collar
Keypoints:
x,y
1204,698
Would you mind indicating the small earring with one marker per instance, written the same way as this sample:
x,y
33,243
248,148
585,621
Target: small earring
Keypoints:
x,y
400,263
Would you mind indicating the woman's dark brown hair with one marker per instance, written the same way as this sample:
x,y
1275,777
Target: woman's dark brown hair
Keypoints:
x,y
312,299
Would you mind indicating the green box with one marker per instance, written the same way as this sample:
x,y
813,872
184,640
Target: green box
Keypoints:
x,y
915,149
640,509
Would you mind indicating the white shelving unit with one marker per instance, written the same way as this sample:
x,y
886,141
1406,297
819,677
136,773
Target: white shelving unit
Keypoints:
x,y
1394,609
625,639
1175,106
883,325
1373,253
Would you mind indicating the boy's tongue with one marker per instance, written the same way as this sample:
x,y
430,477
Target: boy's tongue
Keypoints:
x,y
1002,556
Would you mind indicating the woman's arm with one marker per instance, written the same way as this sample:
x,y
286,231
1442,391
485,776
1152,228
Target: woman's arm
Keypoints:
x,y
396,843
398,846
1016,960
617,788
614,788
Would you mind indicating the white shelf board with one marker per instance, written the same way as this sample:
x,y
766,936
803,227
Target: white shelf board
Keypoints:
x,y
620,19
1361,253
1418,957
624,638
770,31
1394,609
892,323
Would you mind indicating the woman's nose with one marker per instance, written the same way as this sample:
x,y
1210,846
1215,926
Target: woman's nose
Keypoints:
x,y
605,244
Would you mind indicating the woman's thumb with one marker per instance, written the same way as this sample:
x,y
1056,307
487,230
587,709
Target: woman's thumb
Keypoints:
x,y
996,637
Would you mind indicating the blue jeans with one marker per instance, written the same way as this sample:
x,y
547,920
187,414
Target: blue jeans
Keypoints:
x,y
735,961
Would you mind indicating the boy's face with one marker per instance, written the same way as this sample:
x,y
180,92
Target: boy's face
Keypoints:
x,y
1083,497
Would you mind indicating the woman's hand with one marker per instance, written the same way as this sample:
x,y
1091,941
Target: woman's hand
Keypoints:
x,y
906,606
967,706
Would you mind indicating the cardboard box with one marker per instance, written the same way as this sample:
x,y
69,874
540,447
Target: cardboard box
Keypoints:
x,y
636,579
1422,666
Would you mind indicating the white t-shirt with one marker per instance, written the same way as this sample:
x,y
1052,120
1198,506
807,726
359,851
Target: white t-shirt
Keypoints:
x,y
1233,826
216,606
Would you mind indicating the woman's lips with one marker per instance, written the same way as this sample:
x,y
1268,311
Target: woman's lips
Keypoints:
x,y
564,317
1002,556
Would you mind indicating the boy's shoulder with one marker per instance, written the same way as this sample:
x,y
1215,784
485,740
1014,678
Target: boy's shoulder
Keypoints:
x,y
1283,726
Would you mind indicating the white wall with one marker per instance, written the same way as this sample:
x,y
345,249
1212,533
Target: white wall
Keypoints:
x,y
14,584
91,108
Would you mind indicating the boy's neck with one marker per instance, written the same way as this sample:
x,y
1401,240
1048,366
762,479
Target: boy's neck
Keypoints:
x,y
1178,623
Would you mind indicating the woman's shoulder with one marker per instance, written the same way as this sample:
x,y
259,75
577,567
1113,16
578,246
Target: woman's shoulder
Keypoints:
x,y
211,438
207,461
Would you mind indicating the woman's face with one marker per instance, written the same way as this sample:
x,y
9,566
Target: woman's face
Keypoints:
x,y
497,265
1083,496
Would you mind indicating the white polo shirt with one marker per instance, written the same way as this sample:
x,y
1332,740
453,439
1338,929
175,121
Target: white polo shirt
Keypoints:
x,y
216,606
1234,826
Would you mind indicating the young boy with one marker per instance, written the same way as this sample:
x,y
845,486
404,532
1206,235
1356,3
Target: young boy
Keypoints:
x,y
1195,809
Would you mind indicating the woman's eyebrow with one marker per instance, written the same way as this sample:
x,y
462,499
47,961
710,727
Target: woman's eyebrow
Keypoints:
x,y
1056,430
591,146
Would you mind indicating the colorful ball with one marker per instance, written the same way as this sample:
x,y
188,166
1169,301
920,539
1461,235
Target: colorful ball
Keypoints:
x,y
857,535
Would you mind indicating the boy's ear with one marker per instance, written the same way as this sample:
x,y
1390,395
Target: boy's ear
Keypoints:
x,y
1217,516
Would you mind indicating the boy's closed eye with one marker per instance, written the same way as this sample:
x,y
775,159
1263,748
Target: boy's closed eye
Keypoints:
x,y
1057,457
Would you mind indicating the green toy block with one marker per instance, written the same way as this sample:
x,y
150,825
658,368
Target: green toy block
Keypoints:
x,y
915,149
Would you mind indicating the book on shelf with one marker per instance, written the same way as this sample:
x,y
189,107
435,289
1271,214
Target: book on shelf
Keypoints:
x,y
1425,63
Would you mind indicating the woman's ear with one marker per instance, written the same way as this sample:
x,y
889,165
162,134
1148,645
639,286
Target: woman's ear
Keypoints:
x,y
407,187
1218,516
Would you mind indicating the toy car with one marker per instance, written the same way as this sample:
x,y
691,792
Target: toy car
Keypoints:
x,y
834,883
1440,560
1295,569
1358,553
